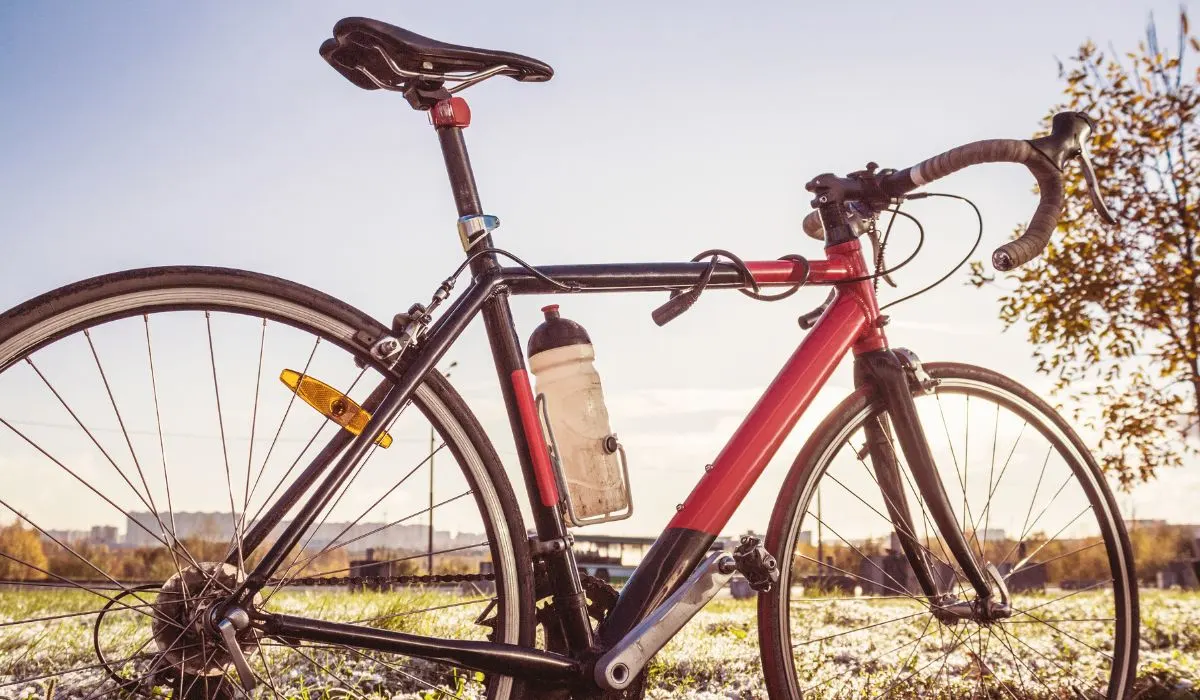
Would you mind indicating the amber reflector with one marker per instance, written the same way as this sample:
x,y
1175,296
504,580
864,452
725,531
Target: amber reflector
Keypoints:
x,y
332,404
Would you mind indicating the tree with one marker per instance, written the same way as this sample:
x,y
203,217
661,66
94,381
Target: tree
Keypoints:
x,y
1114,312
22,550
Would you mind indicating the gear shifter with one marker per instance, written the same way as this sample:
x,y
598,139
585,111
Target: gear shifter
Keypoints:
x,y
1089,174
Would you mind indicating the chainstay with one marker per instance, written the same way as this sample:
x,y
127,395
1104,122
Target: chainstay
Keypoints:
x,y
382,580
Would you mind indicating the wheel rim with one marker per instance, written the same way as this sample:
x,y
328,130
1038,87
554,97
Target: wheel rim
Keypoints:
x,y
879,639
206,397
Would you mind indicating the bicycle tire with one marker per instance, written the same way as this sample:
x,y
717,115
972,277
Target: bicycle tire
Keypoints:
x,y
774,608
44,320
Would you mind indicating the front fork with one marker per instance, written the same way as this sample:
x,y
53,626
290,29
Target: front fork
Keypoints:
x,y
893,373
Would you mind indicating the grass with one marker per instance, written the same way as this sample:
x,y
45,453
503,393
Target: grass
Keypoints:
x,y
715,656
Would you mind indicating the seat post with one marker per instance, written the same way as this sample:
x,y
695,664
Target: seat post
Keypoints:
x,y
450,116
458,167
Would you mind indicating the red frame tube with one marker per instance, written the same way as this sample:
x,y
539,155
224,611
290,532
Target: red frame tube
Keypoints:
x,y
539,451
851,321
778,272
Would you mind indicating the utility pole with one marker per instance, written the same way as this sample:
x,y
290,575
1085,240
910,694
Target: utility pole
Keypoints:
x,y
432,448
820,545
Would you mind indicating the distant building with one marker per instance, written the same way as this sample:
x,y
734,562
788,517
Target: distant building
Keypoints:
x,y
103,534
107,535
1136,523
610,557
143,530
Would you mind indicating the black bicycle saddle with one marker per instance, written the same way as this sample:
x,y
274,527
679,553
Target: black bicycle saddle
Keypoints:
x,y
357,42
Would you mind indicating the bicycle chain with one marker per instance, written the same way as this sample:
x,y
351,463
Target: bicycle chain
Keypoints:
x,y
382,580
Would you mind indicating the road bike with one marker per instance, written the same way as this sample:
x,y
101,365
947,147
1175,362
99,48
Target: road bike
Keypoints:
x,y
985,555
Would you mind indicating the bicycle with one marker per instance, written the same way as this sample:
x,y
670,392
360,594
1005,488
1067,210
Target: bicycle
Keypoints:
x,y
202,617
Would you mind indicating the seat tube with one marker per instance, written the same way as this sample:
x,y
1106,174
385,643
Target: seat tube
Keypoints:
x,y
450,117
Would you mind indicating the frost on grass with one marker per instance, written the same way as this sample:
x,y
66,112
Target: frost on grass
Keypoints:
x,y
897,652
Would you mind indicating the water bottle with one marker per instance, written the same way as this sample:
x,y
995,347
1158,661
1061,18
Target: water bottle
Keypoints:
x,y
591,465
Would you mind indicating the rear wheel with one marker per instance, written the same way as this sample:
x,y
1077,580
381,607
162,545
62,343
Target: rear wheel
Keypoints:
x,y
144,428
848,619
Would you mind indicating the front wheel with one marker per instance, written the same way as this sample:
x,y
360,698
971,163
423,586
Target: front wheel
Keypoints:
x,y
848,618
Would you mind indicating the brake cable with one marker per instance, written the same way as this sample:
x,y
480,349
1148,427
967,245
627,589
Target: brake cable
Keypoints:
x,y
956,268
682,300
920,244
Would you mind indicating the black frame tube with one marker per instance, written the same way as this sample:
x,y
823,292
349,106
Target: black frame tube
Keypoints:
x,y
887,473
886,372
489,657
620,277
451,326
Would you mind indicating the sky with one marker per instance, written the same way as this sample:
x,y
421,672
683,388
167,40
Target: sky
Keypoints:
x,y
136,134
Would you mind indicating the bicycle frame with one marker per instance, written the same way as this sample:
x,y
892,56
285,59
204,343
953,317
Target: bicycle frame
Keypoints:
x,y
850,323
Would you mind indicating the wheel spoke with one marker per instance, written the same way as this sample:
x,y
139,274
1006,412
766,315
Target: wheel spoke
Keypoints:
x,y
1029,557
87,485
308,445
408,613
901,588
1025,526
873,625
1003,638
262,345
279,431
930,663
162,445
167,532
87,562
357,520
960,474
987,508
886,518
383,527
235,519
410,557
1067,672
270,678
297,563
1084,548
404,673
83,613
107,457
324,668
78,669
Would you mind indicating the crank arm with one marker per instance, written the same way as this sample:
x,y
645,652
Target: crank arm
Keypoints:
x,y
617,668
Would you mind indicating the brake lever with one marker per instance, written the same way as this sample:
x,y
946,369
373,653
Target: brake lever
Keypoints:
x,y
1089,175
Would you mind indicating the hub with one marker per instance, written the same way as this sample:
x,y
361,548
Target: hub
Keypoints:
x,y
950,610
184,630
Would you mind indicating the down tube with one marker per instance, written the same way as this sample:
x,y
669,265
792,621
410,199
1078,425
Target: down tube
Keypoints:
x,y
710,505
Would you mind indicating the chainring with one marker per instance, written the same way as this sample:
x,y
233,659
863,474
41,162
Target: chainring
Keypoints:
x,y
601,597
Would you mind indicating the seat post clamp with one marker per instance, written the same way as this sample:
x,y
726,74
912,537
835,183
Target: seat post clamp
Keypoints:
x,y
475,227
452,111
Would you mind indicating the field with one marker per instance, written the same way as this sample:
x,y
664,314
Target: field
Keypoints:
x,y
716,656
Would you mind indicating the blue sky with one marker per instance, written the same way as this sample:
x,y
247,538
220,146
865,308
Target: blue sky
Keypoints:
x,y
139,133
